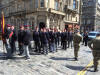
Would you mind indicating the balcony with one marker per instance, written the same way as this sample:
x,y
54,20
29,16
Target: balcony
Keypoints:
x,y
42,9
70,9
66,21
18,13
56,12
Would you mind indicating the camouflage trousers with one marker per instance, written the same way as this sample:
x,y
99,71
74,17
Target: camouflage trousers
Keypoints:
x,y
96,58
76,49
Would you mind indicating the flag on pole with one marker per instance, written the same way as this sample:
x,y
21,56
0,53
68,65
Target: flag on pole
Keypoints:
x,y
3,23
3,27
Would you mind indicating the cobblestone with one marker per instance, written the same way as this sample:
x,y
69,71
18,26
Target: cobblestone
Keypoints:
x,y
59,63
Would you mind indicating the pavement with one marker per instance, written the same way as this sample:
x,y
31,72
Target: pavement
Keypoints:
x,y
59,63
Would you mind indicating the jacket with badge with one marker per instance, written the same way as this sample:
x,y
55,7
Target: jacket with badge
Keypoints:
x,y
13,36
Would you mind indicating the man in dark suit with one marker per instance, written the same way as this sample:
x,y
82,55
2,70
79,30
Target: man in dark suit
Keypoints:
x,y
36,38
52,40
44,40
6,37
64,39
20,39
70,38
13,39
26,41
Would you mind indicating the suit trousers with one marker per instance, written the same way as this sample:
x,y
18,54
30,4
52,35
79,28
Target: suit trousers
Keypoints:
x,y
26,51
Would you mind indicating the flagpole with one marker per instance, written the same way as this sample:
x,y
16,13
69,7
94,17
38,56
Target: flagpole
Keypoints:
x,y
3,28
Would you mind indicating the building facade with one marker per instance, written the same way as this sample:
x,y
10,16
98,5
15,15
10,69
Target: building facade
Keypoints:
x,y
90,19
71,19
41,13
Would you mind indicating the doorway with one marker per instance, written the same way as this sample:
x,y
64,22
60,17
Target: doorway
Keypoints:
x,y
41,25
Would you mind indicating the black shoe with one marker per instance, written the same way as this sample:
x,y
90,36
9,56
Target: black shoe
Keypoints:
x,y
76,59
9,57
20,54
95,70
27,58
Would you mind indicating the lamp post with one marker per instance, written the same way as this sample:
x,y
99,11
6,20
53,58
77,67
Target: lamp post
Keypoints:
x,y
80,14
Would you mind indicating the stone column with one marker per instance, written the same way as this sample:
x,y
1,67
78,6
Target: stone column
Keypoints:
x,y
47,22
35,21
45,3
38,3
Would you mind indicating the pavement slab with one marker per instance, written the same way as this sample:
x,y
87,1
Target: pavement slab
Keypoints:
x,y
59,63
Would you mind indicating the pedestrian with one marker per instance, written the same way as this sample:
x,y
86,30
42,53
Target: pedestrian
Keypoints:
x,y
85,38
6,37
56,38
20,40
61,35
64,40
26,41
52,41
77,38
41,39
70,39
12,40
94,45
45,42
36,38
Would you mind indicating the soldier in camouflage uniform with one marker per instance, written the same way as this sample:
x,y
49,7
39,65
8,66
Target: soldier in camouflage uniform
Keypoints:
x,y
95,50
77,38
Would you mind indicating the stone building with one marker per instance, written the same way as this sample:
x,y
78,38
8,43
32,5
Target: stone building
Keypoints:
x,y
42,13
90,19
72,14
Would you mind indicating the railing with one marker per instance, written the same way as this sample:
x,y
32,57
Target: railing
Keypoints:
x,y
56,12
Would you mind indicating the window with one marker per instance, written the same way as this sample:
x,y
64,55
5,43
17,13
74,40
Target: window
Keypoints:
x,y
41,3
31,4
74,4
88,22
36,3
47,3
56,5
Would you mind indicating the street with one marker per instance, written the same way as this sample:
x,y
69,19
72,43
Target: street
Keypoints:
x,y
59,63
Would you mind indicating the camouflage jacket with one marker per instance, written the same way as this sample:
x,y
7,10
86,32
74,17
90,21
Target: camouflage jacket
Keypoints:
x,y
94,44
77,38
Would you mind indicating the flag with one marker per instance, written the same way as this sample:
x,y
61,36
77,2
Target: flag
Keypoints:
x,y
3,26
3,23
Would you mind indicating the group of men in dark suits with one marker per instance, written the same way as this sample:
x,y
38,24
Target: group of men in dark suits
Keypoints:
x,y
48,40
45,40
23,38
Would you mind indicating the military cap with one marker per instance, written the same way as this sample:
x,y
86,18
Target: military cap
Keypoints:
x,y
8,25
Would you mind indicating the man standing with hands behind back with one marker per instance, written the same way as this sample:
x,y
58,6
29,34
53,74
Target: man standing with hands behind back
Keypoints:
x,y
94,45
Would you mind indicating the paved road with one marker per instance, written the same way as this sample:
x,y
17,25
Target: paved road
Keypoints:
x,y
59,63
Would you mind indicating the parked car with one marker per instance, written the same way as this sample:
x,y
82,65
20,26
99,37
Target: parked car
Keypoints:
x,y
92,34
